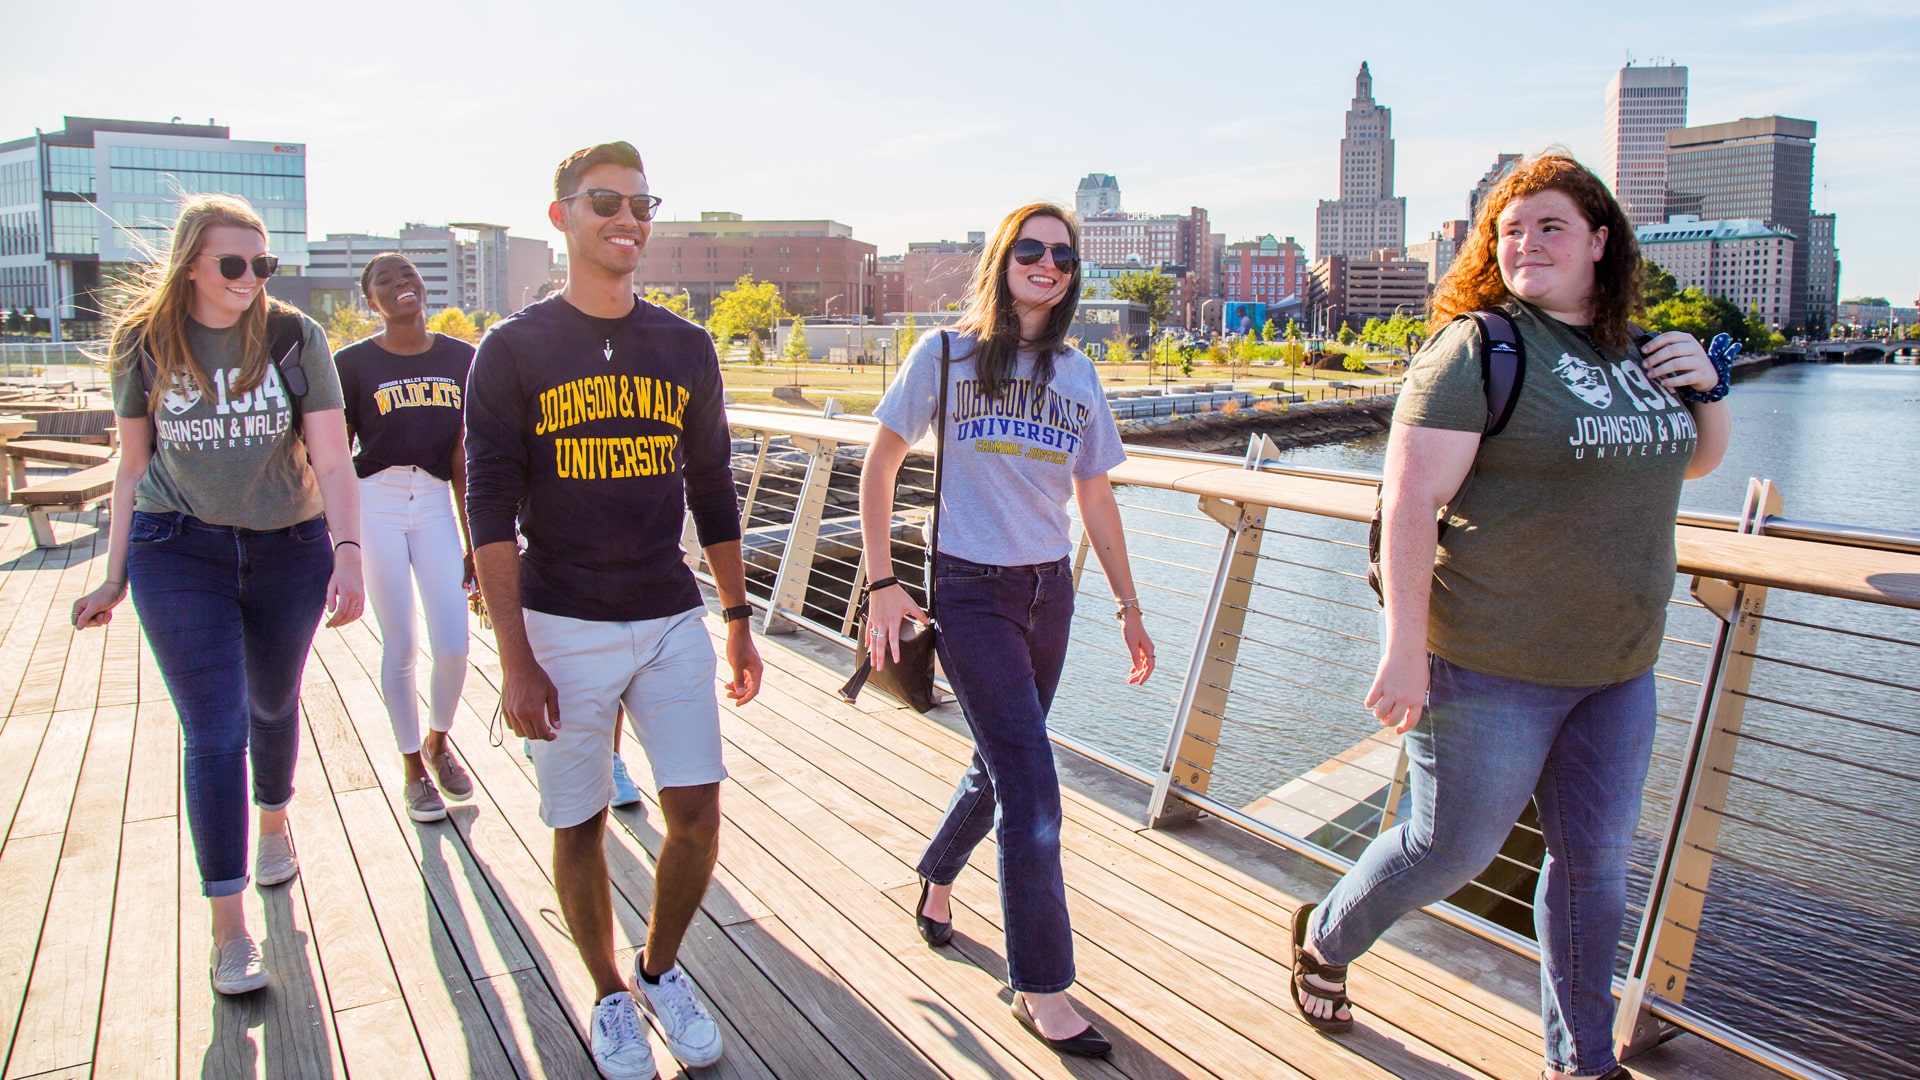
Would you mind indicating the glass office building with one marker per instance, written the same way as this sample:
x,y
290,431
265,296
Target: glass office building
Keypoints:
x,y
83,207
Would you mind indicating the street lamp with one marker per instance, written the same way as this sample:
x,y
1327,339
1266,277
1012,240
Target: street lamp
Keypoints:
x,y
831,299
940,304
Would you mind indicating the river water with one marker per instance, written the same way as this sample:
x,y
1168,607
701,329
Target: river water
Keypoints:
x,y
1810,936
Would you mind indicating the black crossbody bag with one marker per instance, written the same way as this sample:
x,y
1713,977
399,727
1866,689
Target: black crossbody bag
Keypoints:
x,y
911,678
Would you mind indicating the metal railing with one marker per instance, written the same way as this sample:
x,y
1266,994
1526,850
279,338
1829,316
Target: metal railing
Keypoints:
x,y
1768,911
54,363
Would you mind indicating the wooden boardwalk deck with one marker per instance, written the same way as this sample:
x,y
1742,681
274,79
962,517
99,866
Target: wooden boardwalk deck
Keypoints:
x,y
409,950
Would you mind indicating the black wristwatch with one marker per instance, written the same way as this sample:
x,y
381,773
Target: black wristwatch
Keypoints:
x,y
739,611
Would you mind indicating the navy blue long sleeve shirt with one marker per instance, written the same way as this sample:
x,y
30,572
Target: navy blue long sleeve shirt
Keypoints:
x,y
596,436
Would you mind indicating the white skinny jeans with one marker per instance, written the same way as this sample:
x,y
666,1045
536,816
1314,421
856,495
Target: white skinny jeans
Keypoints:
x,y
408,533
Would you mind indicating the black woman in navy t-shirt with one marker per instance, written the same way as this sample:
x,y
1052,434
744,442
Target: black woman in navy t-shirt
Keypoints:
x,y
405,389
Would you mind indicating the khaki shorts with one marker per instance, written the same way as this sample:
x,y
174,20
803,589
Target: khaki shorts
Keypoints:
x,y
663,669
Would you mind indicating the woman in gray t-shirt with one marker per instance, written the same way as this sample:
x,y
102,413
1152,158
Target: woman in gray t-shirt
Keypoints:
x,y
1026,428
234,471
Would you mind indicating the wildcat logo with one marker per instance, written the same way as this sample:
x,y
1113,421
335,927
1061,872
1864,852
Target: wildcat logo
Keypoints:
x,y
184,395
1588,383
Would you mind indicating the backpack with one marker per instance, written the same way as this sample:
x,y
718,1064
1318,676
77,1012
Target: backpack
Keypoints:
x,y
286,340
1503,369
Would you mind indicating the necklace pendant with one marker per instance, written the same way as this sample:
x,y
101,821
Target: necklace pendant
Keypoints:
x,y
608,351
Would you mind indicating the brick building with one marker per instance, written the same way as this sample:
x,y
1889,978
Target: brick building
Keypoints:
x,y
1144,241
1264,271
1342,289
819,268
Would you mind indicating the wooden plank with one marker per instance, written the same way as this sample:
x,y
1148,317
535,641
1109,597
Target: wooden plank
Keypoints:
x,y
26,882
23,636
333,736
40,682
69,490
120,658
153,784
539,1039
447,1016
56,768
378,1040
19,747
59,452
359,970
62,1011
141,995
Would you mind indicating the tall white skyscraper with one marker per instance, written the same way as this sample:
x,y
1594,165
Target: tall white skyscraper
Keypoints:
x,y
1098,195
1366,217
1643,104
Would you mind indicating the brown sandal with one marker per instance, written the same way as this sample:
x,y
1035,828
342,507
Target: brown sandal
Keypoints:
x,y
1304,965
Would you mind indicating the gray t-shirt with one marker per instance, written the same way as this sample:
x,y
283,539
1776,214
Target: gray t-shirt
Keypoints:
x,y
1011,460
225,461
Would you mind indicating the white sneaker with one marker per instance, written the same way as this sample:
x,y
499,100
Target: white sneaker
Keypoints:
x,y
274,861
619,1042
676,1010
238,967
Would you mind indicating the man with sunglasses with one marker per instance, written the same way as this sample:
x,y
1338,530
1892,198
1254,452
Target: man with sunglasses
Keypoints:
x,y
595,422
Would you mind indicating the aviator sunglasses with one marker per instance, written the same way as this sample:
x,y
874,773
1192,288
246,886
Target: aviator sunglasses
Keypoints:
x,y
232,266
1027,251
607,203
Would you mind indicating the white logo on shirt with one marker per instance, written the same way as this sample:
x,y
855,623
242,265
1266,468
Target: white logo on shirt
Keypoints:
x,y
184,395
1588,382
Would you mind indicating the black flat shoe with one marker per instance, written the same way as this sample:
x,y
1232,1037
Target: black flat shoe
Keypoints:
x,y
933,932
1089,1043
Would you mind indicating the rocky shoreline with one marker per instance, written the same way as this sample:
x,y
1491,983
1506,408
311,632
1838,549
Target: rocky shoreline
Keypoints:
x,y
1292,426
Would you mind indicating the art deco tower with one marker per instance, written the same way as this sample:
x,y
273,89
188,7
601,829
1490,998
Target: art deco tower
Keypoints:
x,y
1366,217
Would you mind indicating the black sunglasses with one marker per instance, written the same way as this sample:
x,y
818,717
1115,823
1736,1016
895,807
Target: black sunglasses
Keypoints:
x,y
607,203
1027,251
232,266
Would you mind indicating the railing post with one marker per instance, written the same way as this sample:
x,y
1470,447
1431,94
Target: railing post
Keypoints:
x,y
1195,737
1676,898
803,536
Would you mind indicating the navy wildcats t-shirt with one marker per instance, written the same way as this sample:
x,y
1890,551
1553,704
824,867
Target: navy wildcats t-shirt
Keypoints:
x,y
405,410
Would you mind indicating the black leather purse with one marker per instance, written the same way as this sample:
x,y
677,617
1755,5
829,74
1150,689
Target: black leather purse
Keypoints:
x,y
911,679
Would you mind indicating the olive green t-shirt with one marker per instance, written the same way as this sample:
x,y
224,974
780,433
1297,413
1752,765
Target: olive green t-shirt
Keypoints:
x,y
1557,561
227,460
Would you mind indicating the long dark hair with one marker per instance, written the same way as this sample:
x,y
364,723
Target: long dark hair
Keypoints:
x,y
1474,282
990,317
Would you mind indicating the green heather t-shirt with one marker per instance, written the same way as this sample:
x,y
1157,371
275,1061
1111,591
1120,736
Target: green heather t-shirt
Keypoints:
x,y
1557,561
226,461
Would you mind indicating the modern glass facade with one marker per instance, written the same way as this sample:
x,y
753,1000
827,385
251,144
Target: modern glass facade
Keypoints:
x,y
70,169
20,183
76,228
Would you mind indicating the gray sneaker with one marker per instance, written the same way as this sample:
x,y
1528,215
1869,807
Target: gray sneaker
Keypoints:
x,y
453,778
237,966
423,801
274,862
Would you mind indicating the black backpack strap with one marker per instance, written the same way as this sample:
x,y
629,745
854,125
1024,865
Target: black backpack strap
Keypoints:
x,y
1503,366
286,344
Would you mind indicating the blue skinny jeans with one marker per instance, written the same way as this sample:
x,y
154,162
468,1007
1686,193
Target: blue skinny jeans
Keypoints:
x,y
1003,641
1483,747
230,614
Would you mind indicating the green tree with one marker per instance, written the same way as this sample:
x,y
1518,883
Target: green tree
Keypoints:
x,y
1760,337
1347,336
904,338
674,302
1120,348
484,319
749,309
1271,332
455,324
1696,313
349,324
1151,289
796,352
1294,351
1659,286
1354,363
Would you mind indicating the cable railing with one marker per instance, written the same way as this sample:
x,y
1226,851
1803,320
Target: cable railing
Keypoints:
x,y
1767,909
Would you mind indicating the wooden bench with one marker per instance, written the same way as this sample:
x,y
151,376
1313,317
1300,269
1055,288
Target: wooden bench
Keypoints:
x,y
72,492
59,452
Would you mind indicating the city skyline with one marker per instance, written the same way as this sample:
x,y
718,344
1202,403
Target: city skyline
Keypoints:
x,y
944,135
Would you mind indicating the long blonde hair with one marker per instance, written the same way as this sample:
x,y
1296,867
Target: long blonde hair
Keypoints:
x,y
152,315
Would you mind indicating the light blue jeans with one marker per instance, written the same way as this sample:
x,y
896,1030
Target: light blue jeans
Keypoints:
x,y
1483,747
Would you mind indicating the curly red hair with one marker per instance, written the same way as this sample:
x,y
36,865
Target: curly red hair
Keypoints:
x,y
1474,283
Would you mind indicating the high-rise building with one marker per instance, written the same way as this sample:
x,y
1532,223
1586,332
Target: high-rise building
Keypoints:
x,y
1366,217
1098,194
817,265
1751,168
1643,104
1823,273
1747,262
82,206
1502,165
1351,291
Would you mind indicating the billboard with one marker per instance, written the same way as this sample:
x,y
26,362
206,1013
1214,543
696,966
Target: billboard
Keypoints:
x,y
1243,317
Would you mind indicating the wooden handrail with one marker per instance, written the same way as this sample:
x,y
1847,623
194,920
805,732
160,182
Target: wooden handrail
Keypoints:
x,y
1866,574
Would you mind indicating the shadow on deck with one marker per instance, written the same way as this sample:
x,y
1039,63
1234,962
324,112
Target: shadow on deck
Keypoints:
x,y
438,950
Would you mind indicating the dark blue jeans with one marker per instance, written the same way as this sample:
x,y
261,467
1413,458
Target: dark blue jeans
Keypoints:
x,y
230,614
1484,746
1003,640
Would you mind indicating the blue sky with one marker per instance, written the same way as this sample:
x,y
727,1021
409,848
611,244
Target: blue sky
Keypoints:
x,y
913,121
